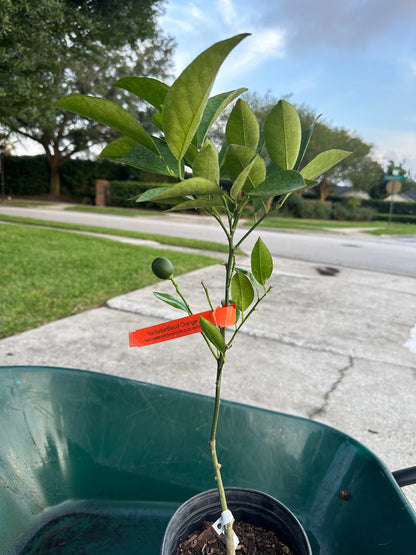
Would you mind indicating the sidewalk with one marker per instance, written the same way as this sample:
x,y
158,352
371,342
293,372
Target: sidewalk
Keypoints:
x,y
340,349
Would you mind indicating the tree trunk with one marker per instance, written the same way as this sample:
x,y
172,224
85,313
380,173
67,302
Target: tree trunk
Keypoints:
x,y
55,182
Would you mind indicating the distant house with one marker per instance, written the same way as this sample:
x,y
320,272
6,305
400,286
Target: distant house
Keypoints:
x,y
403,196
349,192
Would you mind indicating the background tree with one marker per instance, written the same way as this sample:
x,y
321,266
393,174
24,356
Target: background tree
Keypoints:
x,y
50,48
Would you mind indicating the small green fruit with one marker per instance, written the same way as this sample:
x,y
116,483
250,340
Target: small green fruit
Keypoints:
x,y
162,267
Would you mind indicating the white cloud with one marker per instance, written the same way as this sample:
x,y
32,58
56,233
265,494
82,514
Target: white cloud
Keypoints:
x,y
390,144
227,10
254,51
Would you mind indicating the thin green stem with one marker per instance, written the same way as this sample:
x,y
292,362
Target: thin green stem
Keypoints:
x,y
180,294
214,354
244,320
252,228
207,295
214,458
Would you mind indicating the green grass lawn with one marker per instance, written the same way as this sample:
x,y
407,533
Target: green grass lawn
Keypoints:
x,y
375,227
49,274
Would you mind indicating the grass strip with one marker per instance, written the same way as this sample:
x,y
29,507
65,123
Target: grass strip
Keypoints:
x,y
115,211
46,275
163,239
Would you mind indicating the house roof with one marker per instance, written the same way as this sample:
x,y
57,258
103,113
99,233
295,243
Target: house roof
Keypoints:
x,y
349,192
399,197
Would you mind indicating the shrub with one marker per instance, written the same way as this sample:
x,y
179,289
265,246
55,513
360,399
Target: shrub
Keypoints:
x,y
298,207
26,175
352,212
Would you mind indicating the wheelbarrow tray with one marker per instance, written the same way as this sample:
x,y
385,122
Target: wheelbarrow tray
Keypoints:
x,y
91,463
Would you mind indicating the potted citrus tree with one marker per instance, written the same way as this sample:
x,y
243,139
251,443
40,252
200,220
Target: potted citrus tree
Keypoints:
x,y
254,168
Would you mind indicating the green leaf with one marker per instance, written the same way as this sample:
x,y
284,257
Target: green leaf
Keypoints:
x,y
306,137
279,183
176,302
187,97
237,158
282,135
157,120
147,88
194,186
323,162
138,157
197,203
107,113
261,262
191,154
215,106
167,156
213,334
242,291
206,163
241,180
118,148
150,194
242,126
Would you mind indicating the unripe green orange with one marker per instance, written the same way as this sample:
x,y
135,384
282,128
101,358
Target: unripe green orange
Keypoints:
x,y
162,267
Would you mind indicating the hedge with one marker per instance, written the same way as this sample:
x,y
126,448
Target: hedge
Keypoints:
x,y
26,175
383,207
398,218
30,175
123,193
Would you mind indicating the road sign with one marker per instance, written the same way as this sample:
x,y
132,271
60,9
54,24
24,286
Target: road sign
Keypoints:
x,y
394,178
393,187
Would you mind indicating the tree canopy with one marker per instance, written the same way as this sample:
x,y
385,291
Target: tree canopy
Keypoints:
x,y
51,48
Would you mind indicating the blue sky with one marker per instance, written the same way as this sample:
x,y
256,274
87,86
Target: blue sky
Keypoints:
x,y
354,61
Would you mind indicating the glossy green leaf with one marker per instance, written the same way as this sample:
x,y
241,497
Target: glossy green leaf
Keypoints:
x,y
279,183
138,157
150,194
241,180
107,113
194,186
323,162
213,334
202,203
176,302
147,88
237,158
215,106
242,126
167,156
261,262
157,120
191,154
187,97
206,163
282,135
118,148
306,137
242,291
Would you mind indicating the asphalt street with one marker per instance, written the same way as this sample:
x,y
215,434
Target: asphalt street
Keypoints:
x,y
396,255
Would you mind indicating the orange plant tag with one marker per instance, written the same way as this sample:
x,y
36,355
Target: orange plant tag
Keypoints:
x,y
222,316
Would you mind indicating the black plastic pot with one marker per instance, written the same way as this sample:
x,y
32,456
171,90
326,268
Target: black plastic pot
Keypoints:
x,y
247,505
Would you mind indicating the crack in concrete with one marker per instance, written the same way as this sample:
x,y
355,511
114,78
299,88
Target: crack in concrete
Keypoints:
x,y
320,410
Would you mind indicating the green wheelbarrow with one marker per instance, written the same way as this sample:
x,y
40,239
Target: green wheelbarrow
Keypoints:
x,y
91,463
